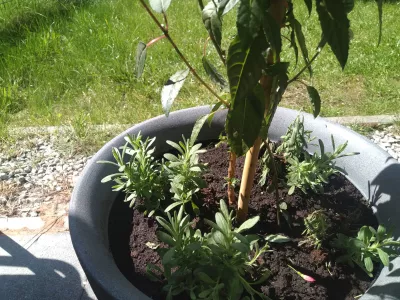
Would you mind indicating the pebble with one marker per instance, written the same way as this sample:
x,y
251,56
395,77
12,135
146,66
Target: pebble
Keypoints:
x,y
388,141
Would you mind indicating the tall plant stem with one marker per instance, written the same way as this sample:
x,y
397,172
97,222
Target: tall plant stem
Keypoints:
x,y
183,58
277,11
275,181
231,175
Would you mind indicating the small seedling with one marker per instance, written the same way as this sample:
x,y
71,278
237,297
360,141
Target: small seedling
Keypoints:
x,y
314,171
184,172
368,247
316,225
140,176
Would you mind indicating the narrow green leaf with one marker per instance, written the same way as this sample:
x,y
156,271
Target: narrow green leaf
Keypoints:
x,y
212,21
335,27
213,73
248,224
369,266
168,256
384,257
204,277
172,206
291,190
277,238
171,89
224,209
293,44
302,42
309,6
212,113
249,20
315,100
165,238
205,294
273,33
160,6
222,223
141,52
380,4
226,5
197,127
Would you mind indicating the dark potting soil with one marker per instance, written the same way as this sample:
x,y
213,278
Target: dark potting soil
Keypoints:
x,y
343,204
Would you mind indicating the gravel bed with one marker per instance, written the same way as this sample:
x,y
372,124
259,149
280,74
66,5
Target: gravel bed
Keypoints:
x,y
38,173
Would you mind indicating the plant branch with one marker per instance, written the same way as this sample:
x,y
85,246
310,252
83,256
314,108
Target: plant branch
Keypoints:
x,y
192,70
205,46
231,175
153,41
275,181
307,65
201,4
166,21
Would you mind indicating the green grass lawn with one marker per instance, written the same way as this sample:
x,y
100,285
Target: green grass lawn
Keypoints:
x,y
60,63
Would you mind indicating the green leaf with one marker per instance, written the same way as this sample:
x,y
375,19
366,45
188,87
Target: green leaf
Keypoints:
x,y
315,100
277,238
222,223
248,224
241,247
249,20
168,256
309,6
196,128
302,42
172,206
348,5
226,5
224,209
205,294
294,46
141,52
335,27
244,67
204,277
160,6
380,4
291,190
384,257
213,73
369,266
165,238
273,33
171,89
212,21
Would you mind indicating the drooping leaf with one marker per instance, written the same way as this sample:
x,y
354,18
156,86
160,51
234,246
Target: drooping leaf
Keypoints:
x,y
293,44
141,52
309,6
212,113
249,19
241,247
160,6
171,89
247,96
213,73
277,238
302,42
380,3
165,238
248,224
212,21
226,5
384,257
196,128
273,33
315,100
335,27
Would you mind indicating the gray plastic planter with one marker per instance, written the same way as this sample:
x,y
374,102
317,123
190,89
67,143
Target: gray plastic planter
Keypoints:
x,y
373,172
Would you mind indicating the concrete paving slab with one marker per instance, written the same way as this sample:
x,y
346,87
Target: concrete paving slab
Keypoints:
x,y
41,267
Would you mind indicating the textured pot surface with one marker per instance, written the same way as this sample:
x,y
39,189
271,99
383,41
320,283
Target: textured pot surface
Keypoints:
x,y
373,172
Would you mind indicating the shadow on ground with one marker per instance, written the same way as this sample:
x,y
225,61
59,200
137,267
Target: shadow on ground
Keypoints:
x,y
24,276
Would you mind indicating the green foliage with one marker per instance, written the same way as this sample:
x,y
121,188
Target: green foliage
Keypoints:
x,y
184,172
140,176
80,125
316,225
368,247
216,265
314,171
295,140
171,89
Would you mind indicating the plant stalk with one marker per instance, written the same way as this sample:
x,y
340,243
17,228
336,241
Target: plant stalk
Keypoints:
x,y
277,10
192,70
231,175
275,182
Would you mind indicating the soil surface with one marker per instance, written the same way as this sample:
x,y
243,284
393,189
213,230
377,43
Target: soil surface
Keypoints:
x,y
345,207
